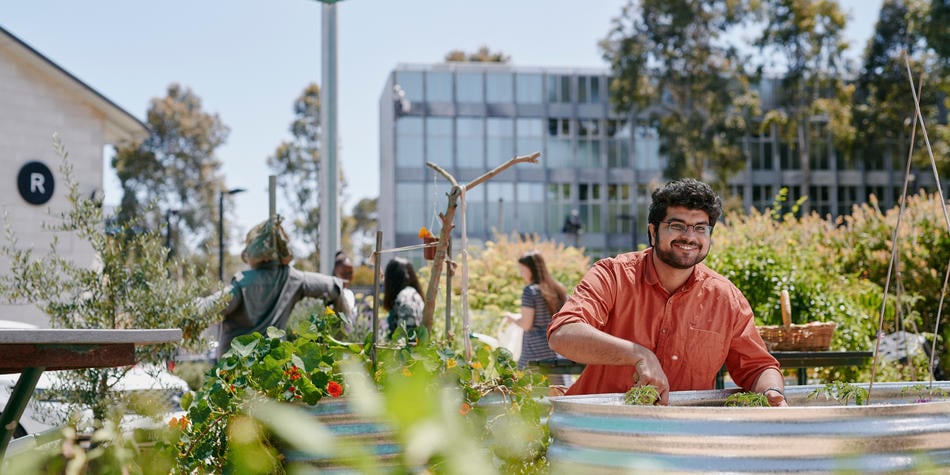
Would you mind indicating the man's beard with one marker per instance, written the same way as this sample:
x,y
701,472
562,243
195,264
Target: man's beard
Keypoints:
x,y
675,259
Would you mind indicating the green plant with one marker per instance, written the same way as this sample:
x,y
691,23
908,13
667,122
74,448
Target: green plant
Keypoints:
x,y
503,404
132,285
841,392
747,399
300,369
641,396
495,284
923,392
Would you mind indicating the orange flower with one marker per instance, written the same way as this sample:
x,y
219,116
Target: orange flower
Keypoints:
x,y
176,423
406,372
463,410
424,233
334,389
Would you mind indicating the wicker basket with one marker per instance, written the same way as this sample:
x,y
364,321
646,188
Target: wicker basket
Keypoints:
x,y
814,336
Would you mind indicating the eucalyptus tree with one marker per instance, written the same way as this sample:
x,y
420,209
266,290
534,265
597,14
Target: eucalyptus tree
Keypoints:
x,y
296,164
674,67
175,167
482,55
802,42
883,101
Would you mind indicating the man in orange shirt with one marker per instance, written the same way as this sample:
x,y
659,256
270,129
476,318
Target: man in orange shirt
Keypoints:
x,y
659,317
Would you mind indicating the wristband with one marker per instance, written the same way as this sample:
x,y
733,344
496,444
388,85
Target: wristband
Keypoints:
x,y
776,390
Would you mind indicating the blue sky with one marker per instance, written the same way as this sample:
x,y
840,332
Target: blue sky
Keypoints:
x,y
248,60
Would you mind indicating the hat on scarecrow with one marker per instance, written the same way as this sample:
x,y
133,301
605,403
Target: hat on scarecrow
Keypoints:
x,y
266,242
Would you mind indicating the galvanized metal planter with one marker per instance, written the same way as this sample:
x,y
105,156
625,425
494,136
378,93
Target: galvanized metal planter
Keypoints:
x,y
696,434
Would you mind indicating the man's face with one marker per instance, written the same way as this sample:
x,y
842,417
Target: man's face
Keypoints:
x,y
685,247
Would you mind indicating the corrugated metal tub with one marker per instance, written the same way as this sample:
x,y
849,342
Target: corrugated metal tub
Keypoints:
x,y
696,434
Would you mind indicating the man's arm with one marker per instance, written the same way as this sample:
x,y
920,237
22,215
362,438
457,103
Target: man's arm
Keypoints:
x,y
771,383
583,343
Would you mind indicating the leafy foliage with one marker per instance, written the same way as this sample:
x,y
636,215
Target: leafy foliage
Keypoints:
x,y
747,399
669,58
296,163
175,167
482,55
273,367
641,396
132,285
495,284
841,392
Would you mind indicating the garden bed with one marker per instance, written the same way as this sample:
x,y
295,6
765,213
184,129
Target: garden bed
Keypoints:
x,y
902,430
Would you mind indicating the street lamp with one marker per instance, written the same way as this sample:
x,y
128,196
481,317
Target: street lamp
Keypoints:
x,y
168,232
221,228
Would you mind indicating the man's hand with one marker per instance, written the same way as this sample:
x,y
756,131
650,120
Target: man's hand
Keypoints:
x,y
649,372
776,397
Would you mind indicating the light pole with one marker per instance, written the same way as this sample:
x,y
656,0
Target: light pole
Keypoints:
x,y
168,232
221,228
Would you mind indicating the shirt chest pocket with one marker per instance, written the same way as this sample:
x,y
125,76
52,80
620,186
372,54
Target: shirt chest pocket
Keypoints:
x,y
705,352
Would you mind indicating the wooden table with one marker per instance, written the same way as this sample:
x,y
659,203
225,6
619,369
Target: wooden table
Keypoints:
x,y
32,351
800,360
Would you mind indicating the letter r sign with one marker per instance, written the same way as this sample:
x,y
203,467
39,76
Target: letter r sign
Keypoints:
x,y
35,182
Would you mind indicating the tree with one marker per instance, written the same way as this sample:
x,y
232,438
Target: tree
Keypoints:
x,y
132,286
668,60
363,225
482,55
883,102
296,163
175,167
802,42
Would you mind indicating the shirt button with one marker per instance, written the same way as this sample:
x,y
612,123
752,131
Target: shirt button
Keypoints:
x,y
663,331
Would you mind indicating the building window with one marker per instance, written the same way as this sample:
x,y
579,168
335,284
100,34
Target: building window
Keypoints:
x,y
559,153
529,137
412,214
588,90
438,87
500,140
820,198
762,197
470,88
530,209
474,212
499,88
559,89
588,196
619,209
588,144
788,157
646,148
847,197
618,143
409,142
411,83
439,144
529,88
820,158
760,152
501,197
560,203
471,142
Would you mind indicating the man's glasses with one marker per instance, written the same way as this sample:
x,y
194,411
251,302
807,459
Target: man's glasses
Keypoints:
x,y
683,228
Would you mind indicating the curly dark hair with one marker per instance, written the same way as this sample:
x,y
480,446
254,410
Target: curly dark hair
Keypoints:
x,y
688,193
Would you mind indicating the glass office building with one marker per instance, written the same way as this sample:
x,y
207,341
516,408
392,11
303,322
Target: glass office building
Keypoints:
x,y
597,167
